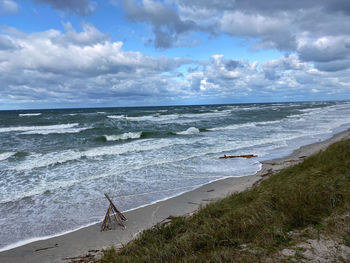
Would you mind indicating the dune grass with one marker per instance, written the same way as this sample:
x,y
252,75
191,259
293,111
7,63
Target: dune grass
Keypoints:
x,y
251,225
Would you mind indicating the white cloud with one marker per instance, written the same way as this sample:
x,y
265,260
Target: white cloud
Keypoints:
x,y
87,65
273,80
8,7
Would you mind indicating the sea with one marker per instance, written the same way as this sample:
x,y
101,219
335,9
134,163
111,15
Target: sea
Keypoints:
x,y
56,165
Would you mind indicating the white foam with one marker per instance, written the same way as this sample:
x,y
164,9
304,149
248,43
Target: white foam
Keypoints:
x,y
39,188
5,155
116,116
43,160
207,114
123,136
39,128
57,131
238,126
135,146
232,127
28,114
189,131
44,186
154,118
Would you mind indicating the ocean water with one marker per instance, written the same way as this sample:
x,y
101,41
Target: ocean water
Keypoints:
x,y
55,165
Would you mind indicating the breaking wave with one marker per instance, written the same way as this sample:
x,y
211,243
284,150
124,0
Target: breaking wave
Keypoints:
x,y
238,126
29,114
123,136
55,158
60,128
154,118
116,116
6,155
189,131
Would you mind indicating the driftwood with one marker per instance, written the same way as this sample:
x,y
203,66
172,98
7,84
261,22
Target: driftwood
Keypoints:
x,y
45,248
117,215
238,156
81,259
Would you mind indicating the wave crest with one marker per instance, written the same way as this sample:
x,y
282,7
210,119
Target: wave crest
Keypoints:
x,y
6,155
243,125
190,131
116,116
29,114
123,136
59,128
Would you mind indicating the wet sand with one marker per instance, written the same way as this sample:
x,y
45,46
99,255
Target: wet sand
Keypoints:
x,y
90,240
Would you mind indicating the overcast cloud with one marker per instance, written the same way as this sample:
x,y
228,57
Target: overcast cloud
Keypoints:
x,y
166,23
317,30
70,66
8,7
79,7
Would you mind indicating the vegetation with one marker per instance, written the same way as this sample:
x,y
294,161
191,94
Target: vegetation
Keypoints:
x,y
252,225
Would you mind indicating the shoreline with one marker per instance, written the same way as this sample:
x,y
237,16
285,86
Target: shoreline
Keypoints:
x,y
89,239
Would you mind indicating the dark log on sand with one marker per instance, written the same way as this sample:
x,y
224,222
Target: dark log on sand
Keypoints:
x,y
238,156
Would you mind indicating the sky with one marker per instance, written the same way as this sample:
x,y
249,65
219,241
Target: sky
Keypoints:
x,y
90,53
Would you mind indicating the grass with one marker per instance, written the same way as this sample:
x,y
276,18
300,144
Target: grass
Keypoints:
x,y
252,225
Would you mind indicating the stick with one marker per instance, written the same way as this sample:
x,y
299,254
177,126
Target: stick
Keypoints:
x,y
44,248
106,220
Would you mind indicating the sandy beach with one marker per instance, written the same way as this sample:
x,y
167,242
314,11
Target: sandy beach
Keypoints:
x,y
90,240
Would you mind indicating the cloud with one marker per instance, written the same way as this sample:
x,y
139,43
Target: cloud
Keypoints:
x,y
8,7
89,36
284,79
6,43
317,30
86,67
166,23
79,7
80,66
292,26
341,6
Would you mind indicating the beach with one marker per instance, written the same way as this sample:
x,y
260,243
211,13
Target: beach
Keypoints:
x,y
90,240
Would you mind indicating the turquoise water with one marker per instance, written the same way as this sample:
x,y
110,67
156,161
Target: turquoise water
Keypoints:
x,y
55,165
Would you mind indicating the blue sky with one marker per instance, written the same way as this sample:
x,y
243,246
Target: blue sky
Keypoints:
x,y
85,53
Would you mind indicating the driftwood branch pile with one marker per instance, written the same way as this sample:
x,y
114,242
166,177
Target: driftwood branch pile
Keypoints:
x,y
116,214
